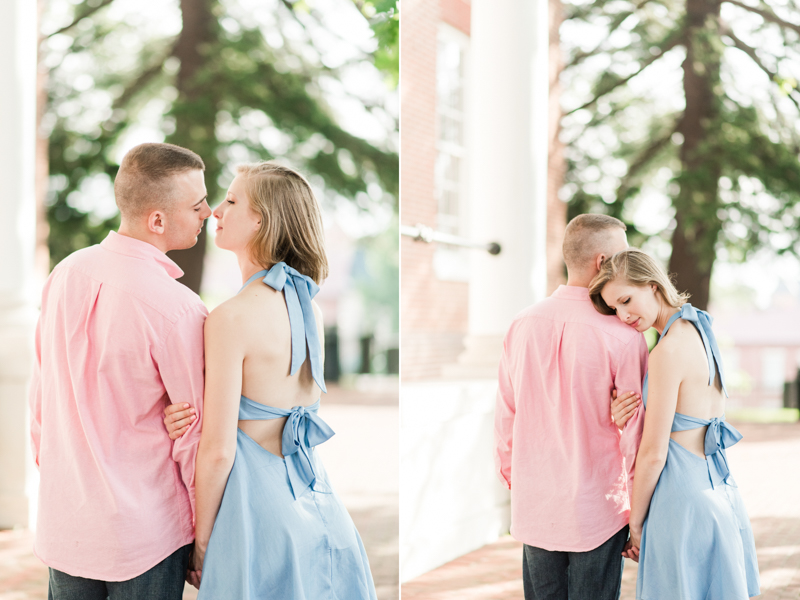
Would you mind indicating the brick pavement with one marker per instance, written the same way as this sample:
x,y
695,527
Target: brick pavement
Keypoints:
x,y
366,481
766,465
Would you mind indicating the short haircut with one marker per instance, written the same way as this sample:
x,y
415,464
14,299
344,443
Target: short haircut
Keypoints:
x,y
586,237
143,182
291,220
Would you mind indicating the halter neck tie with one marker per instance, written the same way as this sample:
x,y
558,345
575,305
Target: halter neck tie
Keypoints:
x,y
702,322
298,290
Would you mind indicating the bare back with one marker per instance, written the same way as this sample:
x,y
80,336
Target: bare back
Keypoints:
x,y
267,345
696,398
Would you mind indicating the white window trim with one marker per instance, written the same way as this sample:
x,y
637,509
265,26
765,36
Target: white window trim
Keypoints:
x,y
451,263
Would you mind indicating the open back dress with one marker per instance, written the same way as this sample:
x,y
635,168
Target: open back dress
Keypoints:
x,y
697,543
282,533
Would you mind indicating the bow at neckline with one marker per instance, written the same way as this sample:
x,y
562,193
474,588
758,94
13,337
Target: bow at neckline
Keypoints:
x,y
298,290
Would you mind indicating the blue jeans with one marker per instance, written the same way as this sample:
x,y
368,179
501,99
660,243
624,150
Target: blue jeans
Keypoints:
x,y
592,575
162,582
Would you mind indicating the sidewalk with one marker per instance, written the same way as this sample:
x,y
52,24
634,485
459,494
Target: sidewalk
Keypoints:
x,y
765,464
362,461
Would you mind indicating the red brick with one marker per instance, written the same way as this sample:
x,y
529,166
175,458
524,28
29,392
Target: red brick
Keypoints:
x,y
434,313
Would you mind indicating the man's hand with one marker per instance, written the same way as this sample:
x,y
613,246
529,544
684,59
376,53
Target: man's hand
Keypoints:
x,y
192,576
193,573
196,565
622,408
631,549
177,418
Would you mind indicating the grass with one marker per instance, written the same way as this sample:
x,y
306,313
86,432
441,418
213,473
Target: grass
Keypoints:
x,y
763,415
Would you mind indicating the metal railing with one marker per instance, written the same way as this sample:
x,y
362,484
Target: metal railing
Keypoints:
x,y
423,233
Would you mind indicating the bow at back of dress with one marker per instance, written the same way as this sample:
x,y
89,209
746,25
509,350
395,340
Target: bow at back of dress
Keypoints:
x,y
304,429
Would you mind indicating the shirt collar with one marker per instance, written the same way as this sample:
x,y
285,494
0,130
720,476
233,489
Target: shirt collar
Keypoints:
x,y
571,292
128,246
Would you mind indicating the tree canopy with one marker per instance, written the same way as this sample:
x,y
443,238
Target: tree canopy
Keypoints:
x,y
233,81
681,118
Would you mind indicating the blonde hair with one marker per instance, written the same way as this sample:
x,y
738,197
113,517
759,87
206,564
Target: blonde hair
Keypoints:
x,y
585,237
291,222
144,180
639,269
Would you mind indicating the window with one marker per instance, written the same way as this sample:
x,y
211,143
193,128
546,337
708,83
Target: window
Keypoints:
x,y
451,144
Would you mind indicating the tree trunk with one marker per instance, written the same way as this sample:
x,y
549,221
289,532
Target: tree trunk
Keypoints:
x,y
691,275
42,257
695,236
556,165
195,116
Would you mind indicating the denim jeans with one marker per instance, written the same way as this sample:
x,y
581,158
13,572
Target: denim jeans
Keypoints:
x,y
592,575
162,582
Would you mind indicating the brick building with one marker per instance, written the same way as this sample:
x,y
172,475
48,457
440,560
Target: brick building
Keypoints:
x,y
433,305
761,350
474,155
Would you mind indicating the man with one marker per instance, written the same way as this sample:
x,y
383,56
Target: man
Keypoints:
x,y
568,467
119,338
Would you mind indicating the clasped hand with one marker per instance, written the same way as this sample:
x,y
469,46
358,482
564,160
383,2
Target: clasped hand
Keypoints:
x,y
195,570
623,407
631,549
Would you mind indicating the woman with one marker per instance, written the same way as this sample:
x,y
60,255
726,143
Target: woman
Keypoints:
x,y
688,526
276,529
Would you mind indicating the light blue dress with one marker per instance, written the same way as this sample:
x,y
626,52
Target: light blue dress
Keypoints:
x,y
282,533
697,543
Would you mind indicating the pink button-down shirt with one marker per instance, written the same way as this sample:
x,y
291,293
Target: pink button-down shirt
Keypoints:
x,y
568,467
117,339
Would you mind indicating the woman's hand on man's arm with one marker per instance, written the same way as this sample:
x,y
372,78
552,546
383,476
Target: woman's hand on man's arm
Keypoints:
x,y
623,407
177,418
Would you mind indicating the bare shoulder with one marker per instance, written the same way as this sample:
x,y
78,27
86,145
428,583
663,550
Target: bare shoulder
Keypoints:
x,y
669,345
677,347
227,318
259,311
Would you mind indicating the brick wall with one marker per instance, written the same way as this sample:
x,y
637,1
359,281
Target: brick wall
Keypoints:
x,y
434,316
455,13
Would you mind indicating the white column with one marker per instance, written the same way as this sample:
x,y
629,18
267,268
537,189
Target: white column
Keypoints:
x,y
452,502
17,242
508,170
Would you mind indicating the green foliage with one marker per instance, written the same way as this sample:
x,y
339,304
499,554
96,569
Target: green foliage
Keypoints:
x,y
248,100
379,281
385,22
736,188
